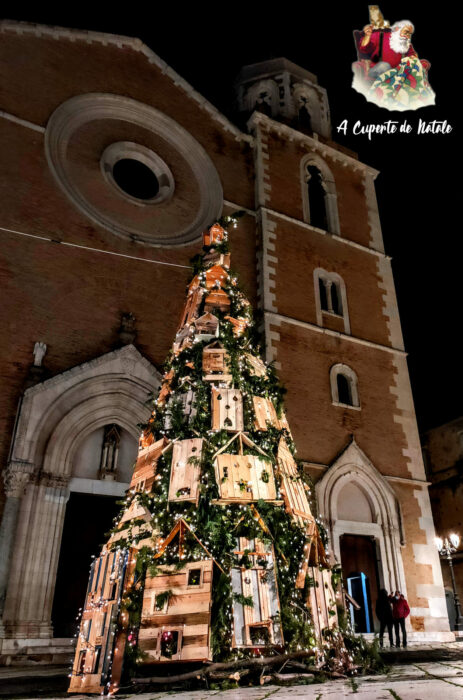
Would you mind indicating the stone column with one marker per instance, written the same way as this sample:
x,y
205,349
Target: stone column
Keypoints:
x,y
29,599
16,478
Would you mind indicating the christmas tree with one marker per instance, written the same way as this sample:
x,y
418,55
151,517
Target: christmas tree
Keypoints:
x,y
217,556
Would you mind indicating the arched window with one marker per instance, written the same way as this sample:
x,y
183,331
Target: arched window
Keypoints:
x,y
264,97
316,195
305,119
344,388
319,198
330,297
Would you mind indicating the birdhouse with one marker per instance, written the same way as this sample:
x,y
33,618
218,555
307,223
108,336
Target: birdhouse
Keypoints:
x,y
227,409
206,327
214,235
176,609
216,363
176,613
185,471
92,663
217,299
216,277
244,478
292,486
255,626
256,367
239,325
145,466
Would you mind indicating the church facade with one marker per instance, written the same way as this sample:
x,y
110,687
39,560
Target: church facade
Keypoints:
x,y
113,166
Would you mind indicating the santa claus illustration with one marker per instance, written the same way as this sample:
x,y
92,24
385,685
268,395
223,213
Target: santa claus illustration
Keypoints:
x,y
389,71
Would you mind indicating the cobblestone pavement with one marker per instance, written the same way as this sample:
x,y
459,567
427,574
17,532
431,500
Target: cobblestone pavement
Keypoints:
x,y
408,680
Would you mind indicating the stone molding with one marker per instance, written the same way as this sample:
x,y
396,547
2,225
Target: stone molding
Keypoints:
x,y
116,384
16,477
325,150
80,110
352,465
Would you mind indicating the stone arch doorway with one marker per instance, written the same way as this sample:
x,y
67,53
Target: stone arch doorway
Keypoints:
x,y
362,516
101,471
56,418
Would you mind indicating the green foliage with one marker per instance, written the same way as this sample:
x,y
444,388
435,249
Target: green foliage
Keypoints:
x,y
241,599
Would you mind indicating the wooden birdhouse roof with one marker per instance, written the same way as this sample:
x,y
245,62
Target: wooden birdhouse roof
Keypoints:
x,y
179,529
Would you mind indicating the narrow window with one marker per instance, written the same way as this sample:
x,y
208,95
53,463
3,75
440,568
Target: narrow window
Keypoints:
x,y
305,120
323,294
316,194
194,577
169,643
96,659
336,304
344,390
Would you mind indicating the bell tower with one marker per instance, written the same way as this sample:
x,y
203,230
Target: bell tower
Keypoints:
x,y
286,92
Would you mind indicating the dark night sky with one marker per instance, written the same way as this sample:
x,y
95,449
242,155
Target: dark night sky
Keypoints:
x,y
207,44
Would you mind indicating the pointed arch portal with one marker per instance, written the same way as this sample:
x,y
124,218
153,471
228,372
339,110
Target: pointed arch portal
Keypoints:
x,y
362,515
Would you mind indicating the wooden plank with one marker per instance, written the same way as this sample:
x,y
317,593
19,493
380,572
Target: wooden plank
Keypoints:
x,y
240,478
217,299
185,472
216,277
293,488
227,409
256,366
207,325
214,235
264,411
145,466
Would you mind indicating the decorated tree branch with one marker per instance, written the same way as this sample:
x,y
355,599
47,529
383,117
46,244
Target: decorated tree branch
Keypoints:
x,y
217,561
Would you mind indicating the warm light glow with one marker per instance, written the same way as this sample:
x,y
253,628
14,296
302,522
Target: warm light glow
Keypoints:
x,y
454,539
439,543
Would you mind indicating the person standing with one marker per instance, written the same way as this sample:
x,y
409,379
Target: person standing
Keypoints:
x,y
384,615
400,611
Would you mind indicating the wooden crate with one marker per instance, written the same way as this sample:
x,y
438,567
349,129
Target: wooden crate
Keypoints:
x,y
214,235
244,478
186,612
185,471
145,466
91,671
227,409
256,626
